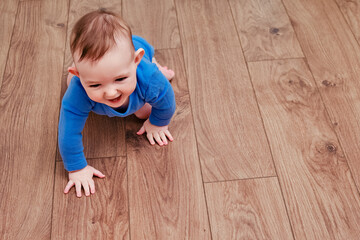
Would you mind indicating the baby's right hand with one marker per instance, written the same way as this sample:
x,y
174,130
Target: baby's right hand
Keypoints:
x,y
83,178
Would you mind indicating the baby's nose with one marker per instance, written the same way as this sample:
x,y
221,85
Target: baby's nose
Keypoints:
x,y
110,92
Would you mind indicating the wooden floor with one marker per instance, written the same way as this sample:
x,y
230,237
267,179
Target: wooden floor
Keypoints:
x,y
267,127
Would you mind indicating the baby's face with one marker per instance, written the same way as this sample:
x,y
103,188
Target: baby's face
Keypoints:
x,y
112,79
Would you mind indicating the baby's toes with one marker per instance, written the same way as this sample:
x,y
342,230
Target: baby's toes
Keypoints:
x,y
170,74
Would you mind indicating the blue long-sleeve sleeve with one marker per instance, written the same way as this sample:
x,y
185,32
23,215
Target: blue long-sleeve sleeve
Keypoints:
x,y
73,115
161,97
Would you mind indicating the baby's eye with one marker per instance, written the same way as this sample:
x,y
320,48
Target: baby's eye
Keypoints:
x,y
121,79
94,85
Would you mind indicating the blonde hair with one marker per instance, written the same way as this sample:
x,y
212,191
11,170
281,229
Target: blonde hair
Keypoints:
x,y
95,33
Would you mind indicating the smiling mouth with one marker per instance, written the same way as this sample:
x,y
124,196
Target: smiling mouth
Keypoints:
x,y
115,100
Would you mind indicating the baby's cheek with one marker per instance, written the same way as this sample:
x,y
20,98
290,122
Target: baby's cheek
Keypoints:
x,y
96,98
131,87
93,96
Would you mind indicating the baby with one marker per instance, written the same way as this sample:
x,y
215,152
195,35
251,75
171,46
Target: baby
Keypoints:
x,y
114,74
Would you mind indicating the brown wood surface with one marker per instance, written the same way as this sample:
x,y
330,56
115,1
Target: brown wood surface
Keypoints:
x,y
165,188
102,136
318,188
264,29
311,120
236,210
154,20
8,10
333,55
103,215
351,12
29,105
230,134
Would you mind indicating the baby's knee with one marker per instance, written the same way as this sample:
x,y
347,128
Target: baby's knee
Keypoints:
x,y
144,112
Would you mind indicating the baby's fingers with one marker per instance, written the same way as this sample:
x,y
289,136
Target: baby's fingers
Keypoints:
x,y
92,186
78,188
85,185
150,138
98,173
163,138
141,131
168,134
69,185
158,139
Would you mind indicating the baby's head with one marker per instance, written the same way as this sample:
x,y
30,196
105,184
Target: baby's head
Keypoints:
x,y
104,57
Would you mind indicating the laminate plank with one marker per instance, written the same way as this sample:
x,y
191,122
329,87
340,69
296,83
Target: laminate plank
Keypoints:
x,y
154,20
321,196
333,55
103,215
102,136
351,12
29,103
247,209
265,30
230,135
165,187
8,10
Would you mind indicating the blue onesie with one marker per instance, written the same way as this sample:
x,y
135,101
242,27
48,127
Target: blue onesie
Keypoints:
x,y
152,87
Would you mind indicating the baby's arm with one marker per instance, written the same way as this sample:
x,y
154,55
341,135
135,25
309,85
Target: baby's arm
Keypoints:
x,y
74,111
160,96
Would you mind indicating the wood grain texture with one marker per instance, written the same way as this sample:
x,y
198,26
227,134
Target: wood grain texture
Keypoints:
x,y
8,10
154,20
247,209
351,12
265,30
165,188
322,199
29,103
103,215
230,134
102,136
333,55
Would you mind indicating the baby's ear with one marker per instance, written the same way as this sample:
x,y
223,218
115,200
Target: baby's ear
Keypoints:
x,y
73,70
139,55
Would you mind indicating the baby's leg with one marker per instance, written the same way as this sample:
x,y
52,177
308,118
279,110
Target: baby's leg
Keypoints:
x,y
144,112
168,73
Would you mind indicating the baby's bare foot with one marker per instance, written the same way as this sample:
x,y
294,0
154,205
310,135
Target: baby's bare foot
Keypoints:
x,y
168,73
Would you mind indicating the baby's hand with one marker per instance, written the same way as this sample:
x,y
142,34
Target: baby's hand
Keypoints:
x,y
155,132
83,178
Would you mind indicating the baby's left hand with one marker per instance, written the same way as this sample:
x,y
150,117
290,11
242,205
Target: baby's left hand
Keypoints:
x,y
155,132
